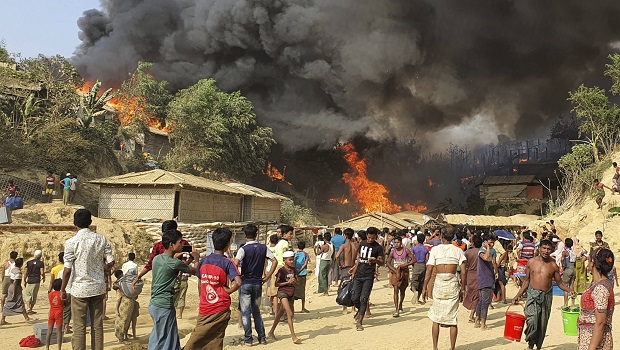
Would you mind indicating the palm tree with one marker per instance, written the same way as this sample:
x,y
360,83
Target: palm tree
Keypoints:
x,y
29,110
91,105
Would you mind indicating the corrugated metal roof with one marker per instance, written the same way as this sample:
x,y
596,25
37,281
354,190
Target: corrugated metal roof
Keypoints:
x,y
378,220
505,180
255,191
162,177
505,191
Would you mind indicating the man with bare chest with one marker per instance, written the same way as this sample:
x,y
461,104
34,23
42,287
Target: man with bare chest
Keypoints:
x,y
348,251
540,271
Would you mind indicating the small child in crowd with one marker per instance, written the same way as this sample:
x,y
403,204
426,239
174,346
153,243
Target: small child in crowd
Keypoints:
x,y
301,265
285,281
55,315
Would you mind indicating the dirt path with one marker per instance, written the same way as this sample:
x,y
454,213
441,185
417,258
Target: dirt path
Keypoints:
x,y
325,327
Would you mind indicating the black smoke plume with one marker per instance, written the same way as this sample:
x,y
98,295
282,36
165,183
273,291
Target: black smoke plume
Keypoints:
x,y
324,71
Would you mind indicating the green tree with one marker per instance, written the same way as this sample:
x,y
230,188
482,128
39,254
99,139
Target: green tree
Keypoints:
x,y
58,80
91,104
216,132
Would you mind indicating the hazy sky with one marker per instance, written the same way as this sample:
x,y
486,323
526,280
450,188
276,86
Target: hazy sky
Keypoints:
x,y
42,26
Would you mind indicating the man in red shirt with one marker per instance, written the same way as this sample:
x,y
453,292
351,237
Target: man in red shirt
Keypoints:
x,y
50,185
159,248
214,272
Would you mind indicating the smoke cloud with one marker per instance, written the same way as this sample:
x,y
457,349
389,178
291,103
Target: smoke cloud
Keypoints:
x,y
322,71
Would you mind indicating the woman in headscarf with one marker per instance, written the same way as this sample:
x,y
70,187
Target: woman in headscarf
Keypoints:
x,y
471,277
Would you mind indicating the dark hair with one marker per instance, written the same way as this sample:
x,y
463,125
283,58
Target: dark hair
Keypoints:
x,y
398,238
534,234
327,236
61,257
447,232
372,231
348,232
460,234
362,235
250,231
490,236
221,238
568,242
82,218
301,245
338,231
132,256
421,238
477,241
169,237
19,262
604,261
285,229
614,164
546,242
13,255
273,239
118,273
57,284
169,225
599,232
526,235
386,230
551,222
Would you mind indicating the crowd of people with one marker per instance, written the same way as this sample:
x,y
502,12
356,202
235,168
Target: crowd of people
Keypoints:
x,y
448,265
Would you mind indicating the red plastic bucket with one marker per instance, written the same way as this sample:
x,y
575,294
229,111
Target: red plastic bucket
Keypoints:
x,y
514,325
521,266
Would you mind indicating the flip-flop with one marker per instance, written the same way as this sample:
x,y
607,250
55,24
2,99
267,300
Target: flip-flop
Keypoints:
x,y
297,341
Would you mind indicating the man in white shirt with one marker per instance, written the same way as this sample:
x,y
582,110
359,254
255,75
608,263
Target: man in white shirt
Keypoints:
x,y
85,254
130,265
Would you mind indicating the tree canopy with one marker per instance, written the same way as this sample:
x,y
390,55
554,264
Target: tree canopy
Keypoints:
x,y
216,132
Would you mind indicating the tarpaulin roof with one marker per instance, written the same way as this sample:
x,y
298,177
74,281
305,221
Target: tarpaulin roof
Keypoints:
x,y
378,220
507,180
505,191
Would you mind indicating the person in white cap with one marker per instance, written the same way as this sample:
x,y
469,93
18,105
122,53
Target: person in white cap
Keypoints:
x,y
66,190
35,274
285,281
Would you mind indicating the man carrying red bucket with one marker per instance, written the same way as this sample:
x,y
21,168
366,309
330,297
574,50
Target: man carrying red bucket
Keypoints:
x,y
540,271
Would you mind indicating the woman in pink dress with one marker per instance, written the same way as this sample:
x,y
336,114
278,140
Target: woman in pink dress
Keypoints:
x,y
597,306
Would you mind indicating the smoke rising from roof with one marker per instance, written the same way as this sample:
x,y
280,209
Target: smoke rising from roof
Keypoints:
x,y
324,71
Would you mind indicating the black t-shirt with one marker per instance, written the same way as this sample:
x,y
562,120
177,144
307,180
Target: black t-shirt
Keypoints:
x,y
365,251
33,271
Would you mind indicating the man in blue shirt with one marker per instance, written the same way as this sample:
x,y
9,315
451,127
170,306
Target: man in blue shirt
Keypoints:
x,y
66,190
336,241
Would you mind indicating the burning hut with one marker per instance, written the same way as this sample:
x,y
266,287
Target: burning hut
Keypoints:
x,y
192,199
376,219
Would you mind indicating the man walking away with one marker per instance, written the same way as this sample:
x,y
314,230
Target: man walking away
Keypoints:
x,y
84,254
420,252
346,256
35,274
252,257
540,271
130,267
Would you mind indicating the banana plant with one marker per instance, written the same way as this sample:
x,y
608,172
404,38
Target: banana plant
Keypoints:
x,y
91,104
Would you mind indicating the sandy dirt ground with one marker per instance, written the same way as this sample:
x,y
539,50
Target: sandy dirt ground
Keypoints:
x,y
326,327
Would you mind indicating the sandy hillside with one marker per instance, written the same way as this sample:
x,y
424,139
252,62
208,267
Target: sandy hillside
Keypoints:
x,y
585,218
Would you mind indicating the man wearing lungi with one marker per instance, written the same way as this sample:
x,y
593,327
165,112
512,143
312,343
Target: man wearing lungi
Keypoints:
x,y
540,271
447,291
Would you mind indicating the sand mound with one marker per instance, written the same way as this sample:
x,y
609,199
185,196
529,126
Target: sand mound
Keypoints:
x,y
124,237
585,218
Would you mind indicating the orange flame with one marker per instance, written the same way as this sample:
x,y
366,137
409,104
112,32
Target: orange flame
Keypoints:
x,y
515,170
130,110
370,195
522,160
430,183
274,174
420,208
338,200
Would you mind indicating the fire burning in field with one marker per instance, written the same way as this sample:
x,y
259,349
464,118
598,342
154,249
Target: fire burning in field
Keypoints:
x,y
129,109
370,195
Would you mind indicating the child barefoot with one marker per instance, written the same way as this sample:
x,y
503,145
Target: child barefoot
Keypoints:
x,y
55,316
285,281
